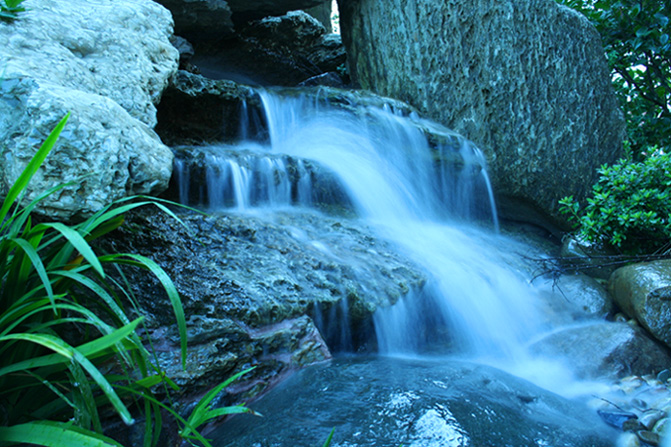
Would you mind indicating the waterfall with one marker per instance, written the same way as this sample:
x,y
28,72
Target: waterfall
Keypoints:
x,y
434,201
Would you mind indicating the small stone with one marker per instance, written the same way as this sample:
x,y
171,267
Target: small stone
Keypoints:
x,y
632,425
649,437
662,426
628,440
650,418
664,376
617,419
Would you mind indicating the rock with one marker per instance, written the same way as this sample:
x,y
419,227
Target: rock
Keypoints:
x,y
526,81
647,436
643,291
273,51
616,418
323,14
628,439
254,290
106,63
201,20
195,109
257,9
604,349
585,294
389,402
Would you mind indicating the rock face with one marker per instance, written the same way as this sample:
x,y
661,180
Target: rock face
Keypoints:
x,y
199,20
604,349
643,291
256,290
256,9
389,402
525,80
106,63
283,50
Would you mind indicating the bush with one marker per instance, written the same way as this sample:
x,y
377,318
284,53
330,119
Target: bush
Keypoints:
x,y
68,348
630,206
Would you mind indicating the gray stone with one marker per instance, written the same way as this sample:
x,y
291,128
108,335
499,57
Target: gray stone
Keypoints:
x,y
281,50
256,9
106,63
585,293
272,292
200,20
427,403
526,81
643,291
323,14
604,349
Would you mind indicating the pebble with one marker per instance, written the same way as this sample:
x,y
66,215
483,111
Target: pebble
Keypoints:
x,y
640,407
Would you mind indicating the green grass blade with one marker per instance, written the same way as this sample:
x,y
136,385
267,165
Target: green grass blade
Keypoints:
x,y
168,286
87,349
36,260
31,168
69,353
329,439
78,242
53,434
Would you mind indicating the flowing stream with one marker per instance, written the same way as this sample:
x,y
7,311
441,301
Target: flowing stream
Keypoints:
x,y
433,201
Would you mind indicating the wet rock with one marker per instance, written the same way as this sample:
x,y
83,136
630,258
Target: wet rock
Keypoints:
x,y
282,50
585,294
107,63
195,109
388,402
643,291
616,419
604,349
261,291
651,438
526,81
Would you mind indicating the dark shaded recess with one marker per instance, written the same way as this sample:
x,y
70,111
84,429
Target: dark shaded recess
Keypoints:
x,y
197,110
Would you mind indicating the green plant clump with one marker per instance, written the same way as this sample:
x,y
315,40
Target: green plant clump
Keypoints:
x,y
69,350
630,207
10,9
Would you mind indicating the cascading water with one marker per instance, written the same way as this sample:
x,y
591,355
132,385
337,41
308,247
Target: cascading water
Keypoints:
x,y
422,198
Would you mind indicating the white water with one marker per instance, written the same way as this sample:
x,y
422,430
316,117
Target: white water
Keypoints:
x,y
389,172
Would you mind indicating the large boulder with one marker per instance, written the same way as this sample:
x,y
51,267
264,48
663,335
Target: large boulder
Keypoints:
x,y
279,292
604,349
106,63
643,291
284,50
199,20
420,403
527,81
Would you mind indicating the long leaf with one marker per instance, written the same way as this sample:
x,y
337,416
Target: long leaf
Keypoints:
x,y
36,261
53,434
78,242
31,168
87,349
68,352
202,412
168,286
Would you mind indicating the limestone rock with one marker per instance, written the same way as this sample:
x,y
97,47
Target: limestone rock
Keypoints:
x,y
107,63
643,291
199,20
195,109
526,81
261,291
273,51
389,402
256,9
604,349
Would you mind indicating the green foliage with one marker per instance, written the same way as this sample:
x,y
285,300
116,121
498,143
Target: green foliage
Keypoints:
x,y
68,349
636,36
630,206
10,9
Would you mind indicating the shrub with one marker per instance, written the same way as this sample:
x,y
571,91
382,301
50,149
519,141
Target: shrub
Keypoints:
x,y
68,348
630,206
10,9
